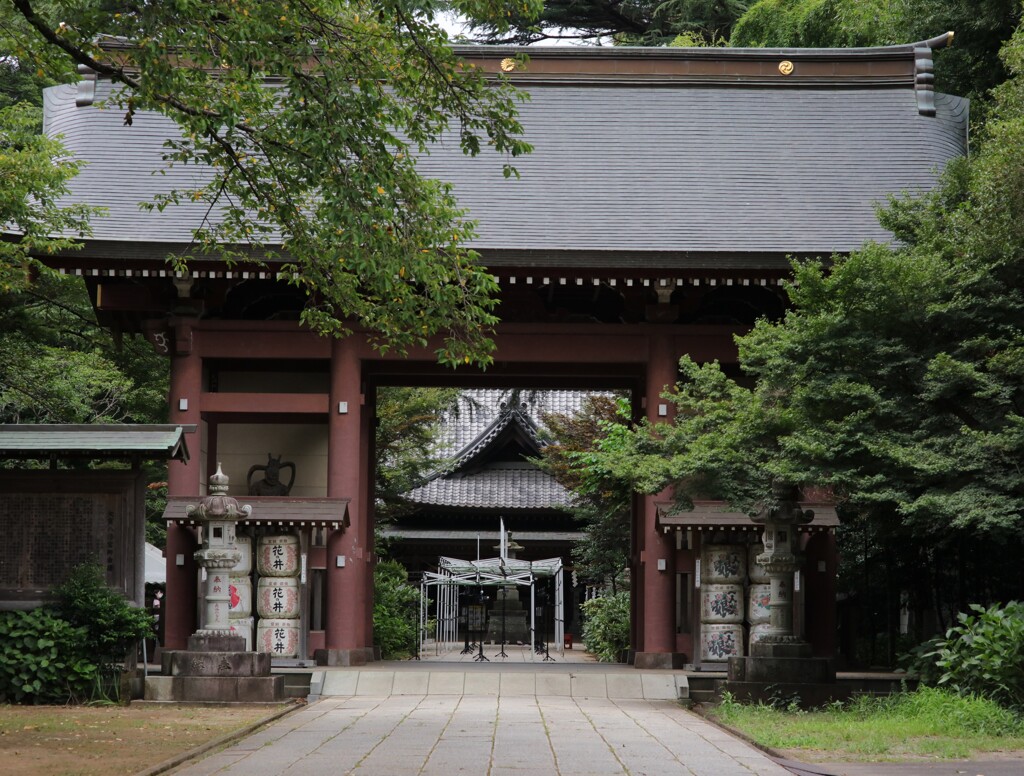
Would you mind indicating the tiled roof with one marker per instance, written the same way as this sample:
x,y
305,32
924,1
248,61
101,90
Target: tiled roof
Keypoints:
x,y
94,441
628,171
480,407
500,485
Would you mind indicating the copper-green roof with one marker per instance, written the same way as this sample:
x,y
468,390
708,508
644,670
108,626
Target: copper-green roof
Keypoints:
x,y
94,441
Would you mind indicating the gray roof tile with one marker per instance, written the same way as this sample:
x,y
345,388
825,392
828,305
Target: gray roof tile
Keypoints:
x,y
509,486
631,168
94,441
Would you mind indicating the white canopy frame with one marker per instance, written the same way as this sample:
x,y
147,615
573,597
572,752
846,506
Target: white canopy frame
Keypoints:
x,y
453,574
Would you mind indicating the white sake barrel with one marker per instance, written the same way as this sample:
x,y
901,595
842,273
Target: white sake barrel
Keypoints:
x,y
758,631
758,599
720,642
755,570
244,565
278,556
243,627
723,563
241,597
721,603
278,597
278,637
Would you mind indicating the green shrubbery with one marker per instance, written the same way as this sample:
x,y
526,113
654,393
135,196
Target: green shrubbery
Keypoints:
x,y
606,626
395,610
931,722
982,655
42,659
73,650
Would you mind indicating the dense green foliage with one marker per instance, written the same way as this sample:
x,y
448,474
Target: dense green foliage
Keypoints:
x,y
983,654
395,611
35,172
895,381
606,626
70,651
43,660
930,722
603,505
633,22
111,626
325,166
408,422
971,67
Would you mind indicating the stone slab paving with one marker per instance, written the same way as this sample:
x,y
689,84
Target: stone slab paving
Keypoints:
x,y
489,735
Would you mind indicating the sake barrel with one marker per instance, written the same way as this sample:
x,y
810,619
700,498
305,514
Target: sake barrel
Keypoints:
x,y
278,597
244,565
278,556
758,631
241,597
721,603
720,642
723,563
243,627
278,637
758,599
755,570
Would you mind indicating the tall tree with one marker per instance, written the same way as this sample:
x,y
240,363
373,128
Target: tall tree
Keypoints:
x,y
319,170
971,67
603,504
631,22
896,379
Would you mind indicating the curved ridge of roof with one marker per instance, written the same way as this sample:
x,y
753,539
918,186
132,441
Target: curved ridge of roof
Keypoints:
x,y
506,417
502,486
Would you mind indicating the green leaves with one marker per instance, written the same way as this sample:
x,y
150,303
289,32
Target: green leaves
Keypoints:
x,y
312,118
34,171
983,654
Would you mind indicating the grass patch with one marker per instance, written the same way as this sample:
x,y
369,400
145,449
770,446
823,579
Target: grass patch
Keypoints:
x,y
929,723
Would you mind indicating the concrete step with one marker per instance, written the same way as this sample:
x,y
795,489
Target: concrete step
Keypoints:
x,y
624,685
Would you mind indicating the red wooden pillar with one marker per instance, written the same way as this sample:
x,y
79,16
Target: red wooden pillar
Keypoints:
x,y
183,479
820,572
348,556
657,554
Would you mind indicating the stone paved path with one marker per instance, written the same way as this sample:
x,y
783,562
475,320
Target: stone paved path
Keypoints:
x,y
406,735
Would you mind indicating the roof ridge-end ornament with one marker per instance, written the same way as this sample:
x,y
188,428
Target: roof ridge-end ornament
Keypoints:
x,y
86,87
924,71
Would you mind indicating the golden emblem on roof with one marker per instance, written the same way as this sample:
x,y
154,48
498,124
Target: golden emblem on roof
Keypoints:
x,y
785,67
507,65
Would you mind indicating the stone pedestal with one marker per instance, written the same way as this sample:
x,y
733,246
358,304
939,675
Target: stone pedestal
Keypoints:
x,y
508,609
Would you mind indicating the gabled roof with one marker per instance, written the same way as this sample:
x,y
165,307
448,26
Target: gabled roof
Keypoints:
x,y
63,441
474,479
511,423
649,159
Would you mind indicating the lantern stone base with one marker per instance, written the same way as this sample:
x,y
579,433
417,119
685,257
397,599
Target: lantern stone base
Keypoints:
x,y
215,669
358,656
783,671
215,689
807,694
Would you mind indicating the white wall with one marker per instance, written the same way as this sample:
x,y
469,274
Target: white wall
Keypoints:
x,y
242,445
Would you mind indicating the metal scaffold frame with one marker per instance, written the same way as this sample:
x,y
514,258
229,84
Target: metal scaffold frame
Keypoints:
x,y
453,574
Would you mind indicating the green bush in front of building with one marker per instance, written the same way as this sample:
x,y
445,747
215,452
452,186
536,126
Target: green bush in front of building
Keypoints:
x,y
606,626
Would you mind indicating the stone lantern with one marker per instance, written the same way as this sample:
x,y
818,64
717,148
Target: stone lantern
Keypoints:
x,y
781,559
216,668
218,512
779,661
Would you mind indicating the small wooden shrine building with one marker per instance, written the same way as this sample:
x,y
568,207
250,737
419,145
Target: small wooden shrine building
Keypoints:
x,y
656,217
